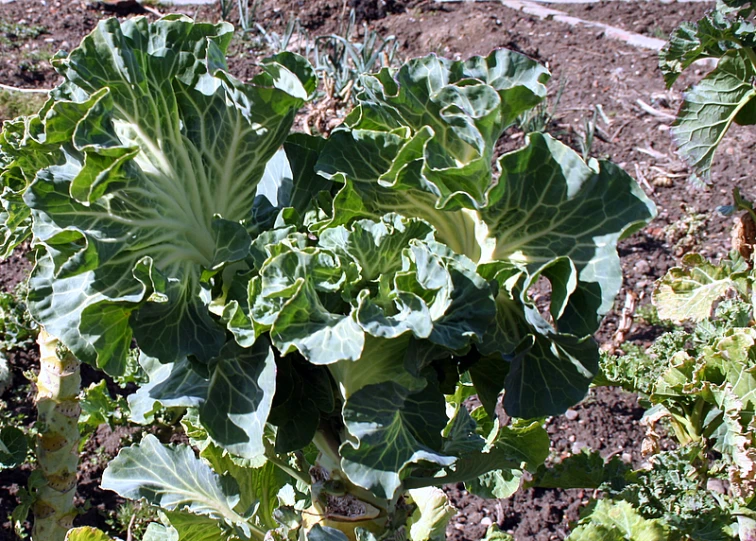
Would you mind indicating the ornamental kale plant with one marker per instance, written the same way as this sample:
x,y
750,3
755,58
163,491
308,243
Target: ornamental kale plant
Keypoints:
x,y
698,382
323,310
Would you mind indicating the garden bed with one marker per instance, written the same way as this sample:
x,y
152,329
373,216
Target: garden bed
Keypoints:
x,y
608,82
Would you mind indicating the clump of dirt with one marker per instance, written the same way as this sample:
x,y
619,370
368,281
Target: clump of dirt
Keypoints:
x,y
371,10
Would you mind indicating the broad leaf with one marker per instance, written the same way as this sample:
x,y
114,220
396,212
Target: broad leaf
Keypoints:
x,y
192,527
688,293
13,447
618,521
495,534
234,400
711,37
173,478
548,204
98,407
392,429
496,484
292,297
722,97
524,442
546,371
549,373
157,155
325,533
303,392
159,532
586,470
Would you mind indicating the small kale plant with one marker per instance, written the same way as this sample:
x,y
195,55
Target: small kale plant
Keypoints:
x,y
698,383
320,311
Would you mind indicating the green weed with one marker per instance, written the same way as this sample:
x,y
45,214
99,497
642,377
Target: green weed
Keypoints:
x,y
540,118
133,519
12,33
13,104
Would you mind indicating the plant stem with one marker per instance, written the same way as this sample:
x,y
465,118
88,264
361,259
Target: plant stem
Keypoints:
x,y
58,412
697,418
271,455
329,459
329,450
751,54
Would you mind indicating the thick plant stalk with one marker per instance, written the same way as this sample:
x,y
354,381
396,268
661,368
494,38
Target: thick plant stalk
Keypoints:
x,y
58,412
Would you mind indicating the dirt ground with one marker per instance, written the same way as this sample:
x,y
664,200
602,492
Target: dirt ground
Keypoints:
x,y
594,73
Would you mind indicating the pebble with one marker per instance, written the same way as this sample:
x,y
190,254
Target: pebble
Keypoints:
x,y
643,267
626,458
571,414
486,521
578,446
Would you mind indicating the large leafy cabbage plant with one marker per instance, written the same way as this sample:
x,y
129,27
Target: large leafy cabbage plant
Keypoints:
x,y
325,310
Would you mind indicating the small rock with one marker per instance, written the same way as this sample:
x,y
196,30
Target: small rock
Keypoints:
x,y
49,40
578,446
571,437
486,521
627,458
571,414
643,267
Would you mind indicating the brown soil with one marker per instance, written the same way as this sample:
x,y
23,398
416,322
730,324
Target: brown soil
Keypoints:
x,y
594,70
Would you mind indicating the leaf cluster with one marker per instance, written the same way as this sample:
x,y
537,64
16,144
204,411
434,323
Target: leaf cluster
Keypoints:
x,y
726,94
699,380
